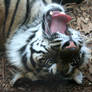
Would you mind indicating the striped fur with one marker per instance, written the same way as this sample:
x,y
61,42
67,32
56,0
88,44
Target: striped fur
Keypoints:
x,y
38,55
14,13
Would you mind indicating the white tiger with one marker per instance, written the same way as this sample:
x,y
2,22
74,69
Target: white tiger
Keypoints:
x,y
48,47
15,13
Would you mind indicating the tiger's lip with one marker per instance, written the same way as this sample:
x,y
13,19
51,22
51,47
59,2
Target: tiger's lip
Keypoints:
x,y
56,14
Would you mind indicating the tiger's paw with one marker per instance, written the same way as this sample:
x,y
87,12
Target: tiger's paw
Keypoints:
x,y
17,76
79,78
53,69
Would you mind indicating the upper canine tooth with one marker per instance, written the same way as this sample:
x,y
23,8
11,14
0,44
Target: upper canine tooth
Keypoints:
x,y
51,12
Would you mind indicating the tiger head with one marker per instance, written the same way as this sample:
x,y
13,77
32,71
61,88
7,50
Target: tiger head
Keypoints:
x,y
67,43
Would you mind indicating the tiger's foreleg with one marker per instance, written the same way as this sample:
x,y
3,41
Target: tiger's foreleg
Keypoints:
x,y
16,77
20,75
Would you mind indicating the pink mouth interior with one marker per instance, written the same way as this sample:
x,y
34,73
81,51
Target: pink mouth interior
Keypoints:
x,y
59,21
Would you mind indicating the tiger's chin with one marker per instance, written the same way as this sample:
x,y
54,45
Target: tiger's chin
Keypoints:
x,y
71,74
69,63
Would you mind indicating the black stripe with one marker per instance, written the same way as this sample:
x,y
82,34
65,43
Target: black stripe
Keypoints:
x,y
21,50
56,41
13,17
27,12
57,1
45,47
31,37
24,61
24,58
44,2
81,42
29,5
57,45
31,58
71,1
7,5
34,51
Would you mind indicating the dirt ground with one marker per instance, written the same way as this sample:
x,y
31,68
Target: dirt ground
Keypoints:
x,y
82,20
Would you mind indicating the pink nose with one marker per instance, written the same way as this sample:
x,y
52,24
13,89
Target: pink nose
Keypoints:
x,y
71,45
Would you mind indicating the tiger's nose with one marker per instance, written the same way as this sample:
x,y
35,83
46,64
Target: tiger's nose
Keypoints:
x,y
69,45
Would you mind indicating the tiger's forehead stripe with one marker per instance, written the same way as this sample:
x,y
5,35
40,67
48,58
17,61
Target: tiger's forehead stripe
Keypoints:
x,y
13,17
7,5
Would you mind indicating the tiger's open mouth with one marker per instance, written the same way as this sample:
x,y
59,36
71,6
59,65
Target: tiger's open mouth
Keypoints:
x,y
56,21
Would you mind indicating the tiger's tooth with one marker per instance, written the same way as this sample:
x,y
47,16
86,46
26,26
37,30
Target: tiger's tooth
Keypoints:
x,y
51,12
62,13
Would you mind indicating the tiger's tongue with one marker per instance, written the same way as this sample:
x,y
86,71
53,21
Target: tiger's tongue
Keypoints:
x,y
59,21
58,26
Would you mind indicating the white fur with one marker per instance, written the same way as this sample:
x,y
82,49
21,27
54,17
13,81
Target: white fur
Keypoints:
x,y
53,5
53,69
37,8
17,42
79,78
87,54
